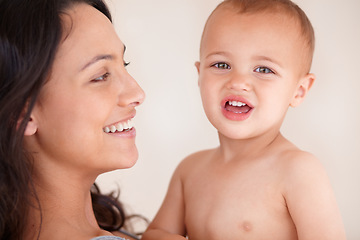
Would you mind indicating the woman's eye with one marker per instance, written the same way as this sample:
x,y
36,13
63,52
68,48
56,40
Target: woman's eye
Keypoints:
x,y
222,65
263,70
101,78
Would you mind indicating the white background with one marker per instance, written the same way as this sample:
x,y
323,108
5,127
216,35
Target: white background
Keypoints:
x,y
162,39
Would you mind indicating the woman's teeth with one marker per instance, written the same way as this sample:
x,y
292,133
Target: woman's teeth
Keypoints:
x,y
236,103
119,127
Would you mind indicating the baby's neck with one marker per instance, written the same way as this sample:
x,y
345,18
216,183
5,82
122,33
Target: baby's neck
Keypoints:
x,y
249,148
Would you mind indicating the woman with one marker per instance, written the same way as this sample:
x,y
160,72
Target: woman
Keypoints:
x,y
66,110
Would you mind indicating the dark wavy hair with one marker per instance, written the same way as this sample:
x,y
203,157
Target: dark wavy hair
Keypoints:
x,y
30,34
111,216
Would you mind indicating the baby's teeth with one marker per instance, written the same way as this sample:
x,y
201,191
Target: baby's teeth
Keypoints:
x,y
237,104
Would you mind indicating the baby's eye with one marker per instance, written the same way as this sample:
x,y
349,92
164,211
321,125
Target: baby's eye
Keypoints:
x,y
263,70
221,65
126,64
101,78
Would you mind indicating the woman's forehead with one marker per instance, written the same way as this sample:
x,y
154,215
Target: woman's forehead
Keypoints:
x,y
88,32
81,18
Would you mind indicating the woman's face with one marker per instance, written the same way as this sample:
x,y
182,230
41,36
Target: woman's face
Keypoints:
x,y
89,99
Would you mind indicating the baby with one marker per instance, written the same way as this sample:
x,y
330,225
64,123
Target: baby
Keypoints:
x,y
255,59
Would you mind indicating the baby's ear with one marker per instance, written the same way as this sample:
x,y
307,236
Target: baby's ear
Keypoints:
x,y
197,65
302,89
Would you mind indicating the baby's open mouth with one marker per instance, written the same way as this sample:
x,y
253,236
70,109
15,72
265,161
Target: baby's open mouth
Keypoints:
x,y
237,107
119,127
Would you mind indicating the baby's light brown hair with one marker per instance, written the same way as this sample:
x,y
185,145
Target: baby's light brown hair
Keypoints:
x,y
287,7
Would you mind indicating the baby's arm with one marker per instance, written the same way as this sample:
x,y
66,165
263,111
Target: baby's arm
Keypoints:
x,y
168,223
311,201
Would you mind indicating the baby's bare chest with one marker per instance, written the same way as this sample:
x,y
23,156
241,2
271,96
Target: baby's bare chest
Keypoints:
x,y
236,205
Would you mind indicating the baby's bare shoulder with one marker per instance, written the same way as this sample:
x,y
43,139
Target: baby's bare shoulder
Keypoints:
x,y
301,168
289,158
295,160
200,157
195,161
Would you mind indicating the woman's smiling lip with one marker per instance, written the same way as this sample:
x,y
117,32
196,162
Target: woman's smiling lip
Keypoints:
x,y
122,126
236,108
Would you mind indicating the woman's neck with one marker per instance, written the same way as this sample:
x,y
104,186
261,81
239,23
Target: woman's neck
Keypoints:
x,y
65,205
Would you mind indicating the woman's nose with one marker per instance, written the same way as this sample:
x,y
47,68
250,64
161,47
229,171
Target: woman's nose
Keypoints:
x,y
132,94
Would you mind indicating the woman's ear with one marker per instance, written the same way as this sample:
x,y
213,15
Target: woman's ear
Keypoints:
x,y
31,127
302,89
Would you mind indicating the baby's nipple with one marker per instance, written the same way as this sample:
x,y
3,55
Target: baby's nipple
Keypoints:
x,y
246,226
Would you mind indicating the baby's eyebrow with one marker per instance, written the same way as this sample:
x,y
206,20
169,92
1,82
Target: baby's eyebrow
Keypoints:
x,y
217,53
269,59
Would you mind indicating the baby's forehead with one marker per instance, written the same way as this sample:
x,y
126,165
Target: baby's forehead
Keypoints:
x,y
273,9
271,12
260,6
276,21
285,10
267,32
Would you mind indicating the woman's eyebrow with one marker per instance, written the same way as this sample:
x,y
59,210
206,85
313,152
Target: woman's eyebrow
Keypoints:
x,y
99,58
96,59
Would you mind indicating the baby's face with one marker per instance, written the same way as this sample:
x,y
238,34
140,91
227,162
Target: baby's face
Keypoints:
x,y
250,68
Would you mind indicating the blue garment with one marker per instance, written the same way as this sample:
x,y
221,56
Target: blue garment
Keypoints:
x,y
108,238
